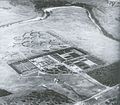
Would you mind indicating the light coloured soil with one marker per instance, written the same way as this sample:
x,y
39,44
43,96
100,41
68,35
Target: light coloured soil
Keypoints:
x,y
10,14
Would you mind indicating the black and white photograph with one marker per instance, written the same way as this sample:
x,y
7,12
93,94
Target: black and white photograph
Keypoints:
x,y
59,52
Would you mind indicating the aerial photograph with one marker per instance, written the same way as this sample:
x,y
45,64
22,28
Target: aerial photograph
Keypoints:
x,y
59,52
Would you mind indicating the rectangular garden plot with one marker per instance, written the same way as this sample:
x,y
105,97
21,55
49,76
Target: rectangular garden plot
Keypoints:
x,y
62,61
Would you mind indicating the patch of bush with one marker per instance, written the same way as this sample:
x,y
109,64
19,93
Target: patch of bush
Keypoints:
x,y
108,75
4,93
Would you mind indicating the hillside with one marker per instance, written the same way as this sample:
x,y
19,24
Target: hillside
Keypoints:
x,y
104,13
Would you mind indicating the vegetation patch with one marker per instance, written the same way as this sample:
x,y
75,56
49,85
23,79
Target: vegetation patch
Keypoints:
x,y
4,93
45,97
108,75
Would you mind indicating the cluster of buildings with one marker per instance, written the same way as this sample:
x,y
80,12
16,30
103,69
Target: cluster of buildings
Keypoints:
x,y
64,61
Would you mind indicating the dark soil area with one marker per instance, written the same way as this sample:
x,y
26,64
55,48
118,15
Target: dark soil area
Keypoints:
x,y
108,75
4,93
46,3
46,97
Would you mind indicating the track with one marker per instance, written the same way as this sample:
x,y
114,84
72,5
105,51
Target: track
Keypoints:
x,y
47,12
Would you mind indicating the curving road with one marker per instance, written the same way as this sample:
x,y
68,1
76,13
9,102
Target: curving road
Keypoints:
x,y
89,10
